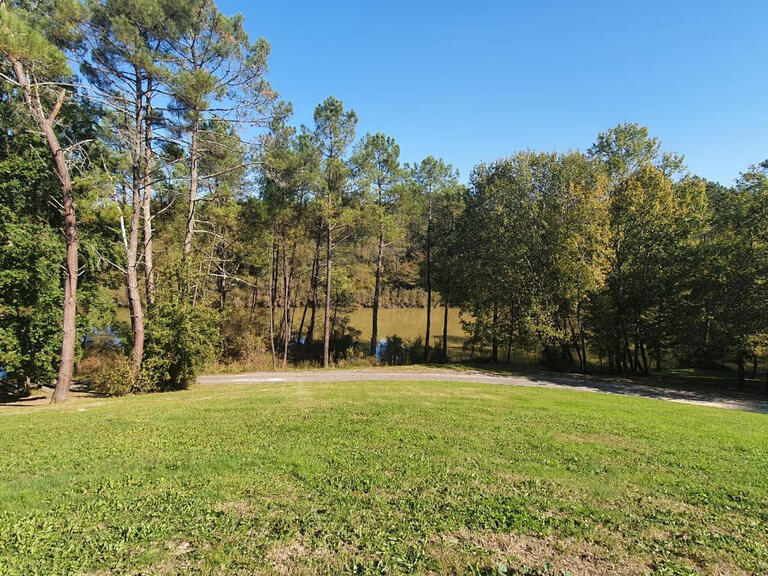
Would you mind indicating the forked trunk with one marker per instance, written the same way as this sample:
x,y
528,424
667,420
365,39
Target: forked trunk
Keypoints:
x,y
69,305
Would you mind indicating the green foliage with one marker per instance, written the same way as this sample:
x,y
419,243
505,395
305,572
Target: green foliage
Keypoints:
x,y
116,379
180,340
400,352
30,300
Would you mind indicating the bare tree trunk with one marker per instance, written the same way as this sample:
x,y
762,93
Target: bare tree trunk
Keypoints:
x,y
254,298
193,180
272,310
132,247
327,319
306,304
286,306
69,306
315,278
445,328
740,366
429,280
149,269
494,335
376,295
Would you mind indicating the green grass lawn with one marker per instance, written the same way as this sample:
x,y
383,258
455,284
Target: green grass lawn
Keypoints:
x,y
382,478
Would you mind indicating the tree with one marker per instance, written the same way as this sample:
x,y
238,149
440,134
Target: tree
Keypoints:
x,y
30,293
128,38
431,179
333,134
290,171
217,74
377,170
32,37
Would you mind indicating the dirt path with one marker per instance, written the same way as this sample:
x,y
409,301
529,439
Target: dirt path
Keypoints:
x,y
725,399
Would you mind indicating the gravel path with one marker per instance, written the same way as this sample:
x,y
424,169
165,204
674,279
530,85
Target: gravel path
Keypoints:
x,y
725,399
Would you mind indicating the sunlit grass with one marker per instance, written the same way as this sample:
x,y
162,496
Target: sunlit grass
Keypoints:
x,y
381,478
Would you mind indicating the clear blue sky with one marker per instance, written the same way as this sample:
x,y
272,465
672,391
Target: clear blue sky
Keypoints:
x,y
473,81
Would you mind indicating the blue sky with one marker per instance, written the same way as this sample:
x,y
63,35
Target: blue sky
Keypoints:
x,y
473,81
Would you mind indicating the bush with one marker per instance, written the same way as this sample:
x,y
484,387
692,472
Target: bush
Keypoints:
x,y
180,341
242,337
114,379
399,352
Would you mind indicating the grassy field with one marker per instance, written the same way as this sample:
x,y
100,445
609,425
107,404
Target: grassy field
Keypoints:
x,y
382,478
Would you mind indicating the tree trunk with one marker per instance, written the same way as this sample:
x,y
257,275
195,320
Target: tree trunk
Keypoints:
x,y
193,178
272,310
132,246
429,281
69,305
494,335
740,366
286,306
149,269
376,294
313,288
254,298
445,328
327,314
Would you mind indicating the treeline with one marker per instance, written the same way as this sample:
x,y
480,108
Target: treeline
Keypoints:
x,y
616,259
146,164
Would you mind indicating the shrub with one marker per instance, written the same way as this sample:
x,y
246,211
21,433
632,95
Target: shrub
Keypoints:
x,y
242,337
114,379
399,352
180,341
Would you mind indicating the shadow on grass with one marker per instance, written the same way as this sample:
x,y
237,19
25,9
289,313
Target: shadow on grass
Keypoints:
x,y
683,385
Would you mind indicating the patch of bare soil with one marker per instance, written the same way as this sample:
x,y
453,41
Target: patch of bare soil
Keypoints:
x,y
296,557
578,558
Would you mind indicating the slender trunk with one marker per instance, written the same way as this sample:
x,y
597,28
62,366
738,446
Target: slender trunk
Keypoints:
x,y
327,314
611,367
193,178
132,247
766,377
315,280
494,336
333,320
582,339
272,311
303,316
636,351
628,365
740,366
286,306
646,367
376,294
312,282
754,366
149,269
429,280
313,314
254,299
445,328
69,305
